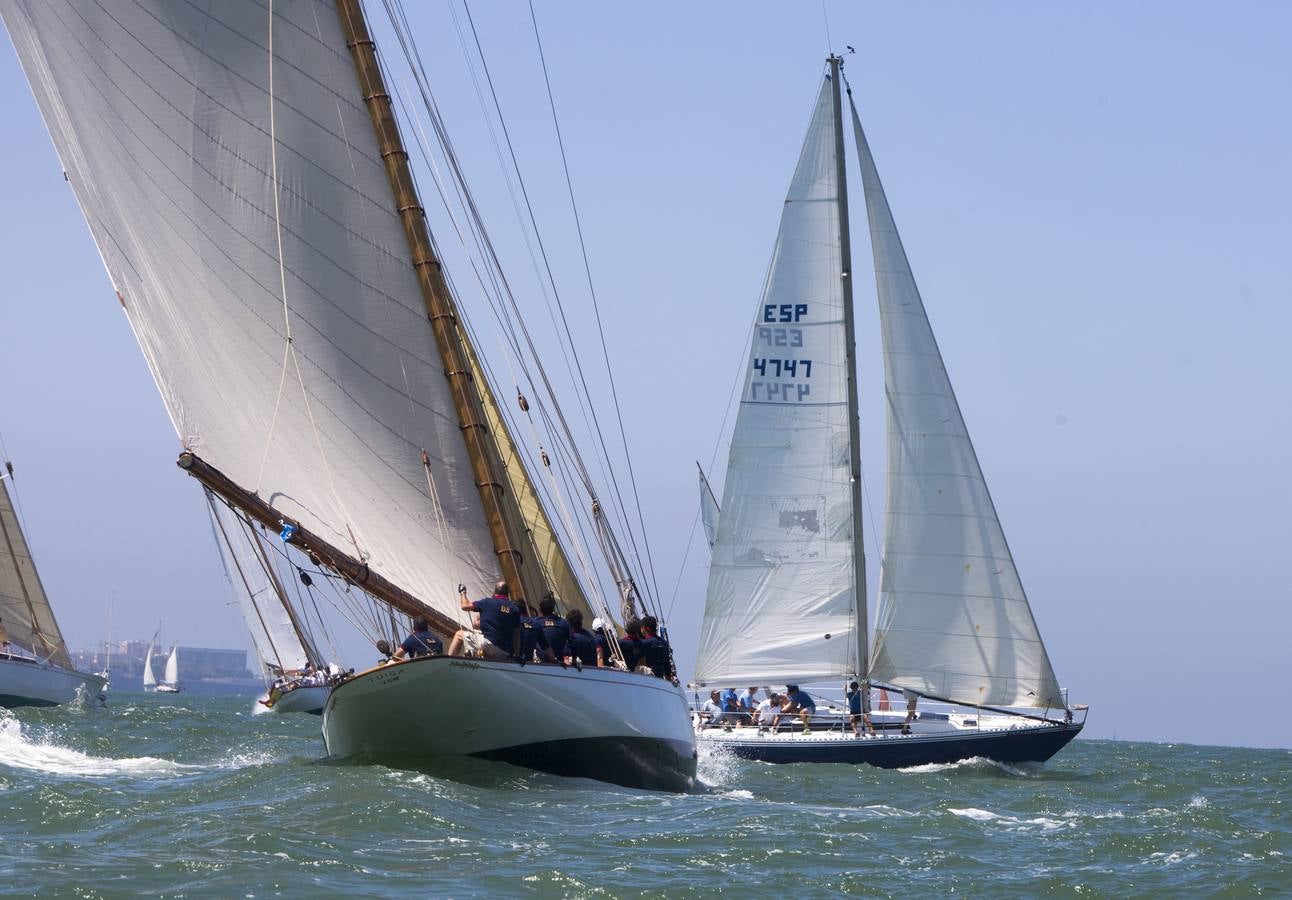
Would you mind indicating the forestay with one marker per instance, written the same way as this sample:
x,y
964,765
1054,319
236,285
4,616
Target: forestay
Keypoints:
x,y
161,114
273,633
954,621
780,599
24,608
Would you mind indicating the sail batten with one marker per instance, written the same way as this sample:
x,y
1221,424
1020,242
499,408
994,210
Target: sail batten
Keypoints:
x,y
780,604
954,621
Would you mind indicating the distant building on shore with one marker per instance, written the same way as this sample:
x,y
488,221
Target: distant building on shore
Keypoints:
x,y
203,670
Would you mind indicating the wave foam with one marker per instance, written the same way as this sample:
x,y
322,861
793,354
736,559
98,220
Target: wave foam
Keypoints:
x,y
970,764
982,815
19,752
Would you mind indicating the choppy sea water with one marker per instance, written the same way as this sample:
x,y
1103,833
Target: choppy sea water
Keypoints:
x,y
197,796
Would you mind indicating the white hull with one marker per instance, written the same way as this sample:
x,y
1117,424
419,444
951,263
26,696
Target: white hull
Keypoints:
x,y
302,700
614,726
26,683
166,689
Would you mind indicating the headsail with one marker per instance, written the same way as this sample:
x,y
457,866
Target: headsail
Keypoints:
x,y
240,202
954,621
273,633
780,598
171,675
24,608
709,511
150,679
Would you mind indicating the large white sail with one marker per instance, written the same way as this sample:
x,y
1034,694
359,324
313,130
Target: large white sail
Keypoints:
x,y
273,633
24,608
171,675
150,680
954,621
780,601
232,217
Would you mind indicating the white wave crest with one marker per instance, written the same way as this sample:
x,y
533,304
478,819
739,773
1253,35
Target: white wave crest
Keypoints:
x,y
19,752
1044,823
973,763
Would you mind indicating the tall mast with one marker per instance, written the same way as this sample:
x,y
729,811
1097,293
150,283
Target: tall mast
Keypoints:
x,y
506,530
850,340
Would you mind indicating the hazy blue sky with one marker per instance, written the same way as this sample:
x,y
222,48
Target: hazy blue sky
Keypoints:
x,y
1095,201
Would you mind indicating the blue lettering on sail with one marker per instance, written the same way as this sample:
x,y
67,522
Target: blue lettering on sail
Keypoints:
x,y
781,337
784,312
779,392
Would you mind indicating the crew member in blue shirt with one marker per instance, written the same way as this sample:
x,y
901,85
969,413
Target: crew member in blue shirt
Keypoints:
x,y
553,631
796,701
422,642
499,625
582,647
653,650
858,716
730,706
628,644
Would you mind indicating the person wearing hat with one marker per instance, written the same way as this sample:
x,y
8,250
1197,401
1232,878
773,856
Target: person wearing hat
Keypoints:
x,y
768,710
797,701
600,641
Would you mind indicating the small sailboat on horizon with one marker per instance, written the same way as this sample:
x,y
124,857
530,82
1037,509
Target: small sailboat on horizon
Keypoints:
x,y
169,683
786,600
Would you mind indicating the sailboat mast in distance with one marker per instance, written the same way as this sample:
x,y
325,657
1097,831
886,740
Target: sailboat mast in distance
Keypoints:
x,y
850,364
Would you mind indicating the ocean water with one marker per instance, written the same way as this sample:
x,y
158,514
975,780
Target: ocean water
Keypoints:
x,y
198,796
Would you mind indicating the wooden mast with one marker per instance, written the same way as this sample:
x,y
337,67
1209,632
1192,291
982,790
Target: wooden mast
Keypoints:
x,y
854,427
506,530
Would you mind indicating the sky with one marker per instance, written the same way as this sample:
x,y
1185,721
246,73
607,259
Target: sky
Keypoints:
x,y
1095,202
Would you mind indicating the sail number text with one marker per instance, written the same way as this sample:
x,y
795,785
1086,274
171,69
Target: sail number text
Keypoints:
x,y
778,390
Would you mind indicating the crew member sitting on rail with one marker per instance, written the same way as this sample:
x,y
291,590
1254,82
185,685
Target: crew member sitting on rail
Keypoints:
x,y
529,633
553,631
422,642
582,648
499,625
628,644
602,640
653,650
796,701
730,707
711,712
768,710
746,703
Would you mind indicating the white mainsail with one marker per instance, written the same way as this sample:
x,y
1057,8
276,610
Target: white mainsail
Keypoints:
x,y
230,175
273,633
171,675
954,621
150,680
780,603
24,608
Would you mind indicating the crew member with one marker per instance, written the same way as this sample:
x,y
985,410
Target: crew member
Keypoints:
x,y
796,701
582,647
553,631
653,650
422,642
499,625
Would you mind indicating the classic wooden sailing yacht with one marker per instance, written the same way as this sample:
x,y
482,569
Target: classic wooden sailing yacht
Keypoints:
x,y
242,172
786,601
35,667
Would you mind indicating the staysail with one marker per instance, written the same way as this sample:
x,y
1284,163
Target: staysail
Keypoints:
x,y
24,608
150,680
954,621
273,632
229,170
780,603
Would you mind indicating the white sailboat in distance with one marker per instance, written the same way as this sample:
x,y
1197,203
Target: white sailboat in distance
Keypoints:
x,y
242,171
170,675
786,601
35,667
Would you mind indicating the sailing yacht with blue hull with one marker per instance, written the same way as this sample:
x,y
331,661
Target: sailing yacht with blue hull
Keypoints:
x,y
786,601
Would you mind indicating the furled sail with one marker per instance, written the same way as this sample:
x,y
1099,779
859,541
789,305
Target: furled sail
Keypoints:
x,y
779,605
241,206
954,621
273,633
24,608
